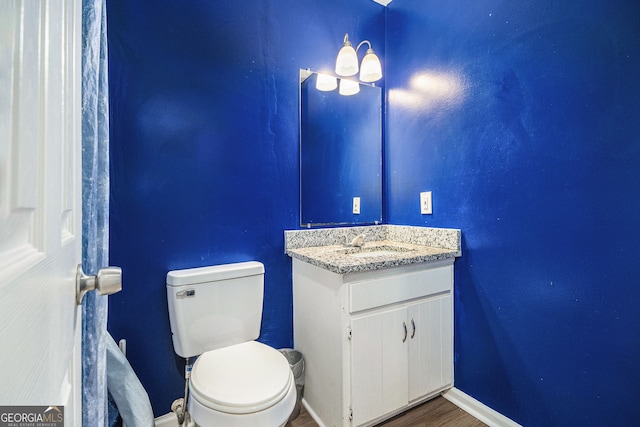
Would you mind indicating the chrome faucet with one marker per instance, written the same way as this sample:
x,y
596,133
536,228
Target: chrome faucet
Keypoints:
x,y
357,241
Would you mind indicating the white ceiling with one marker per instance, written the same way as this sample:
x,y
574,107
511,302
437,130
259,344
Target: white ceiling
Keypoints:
x,y
383,2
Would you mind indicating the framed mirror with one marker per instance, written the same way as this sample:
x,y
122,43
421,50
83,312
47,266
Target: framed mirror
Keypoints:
x,y
340,154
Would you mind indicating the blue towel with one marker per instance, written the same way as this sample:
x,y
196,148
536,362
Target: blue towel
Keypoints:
x,y
125,388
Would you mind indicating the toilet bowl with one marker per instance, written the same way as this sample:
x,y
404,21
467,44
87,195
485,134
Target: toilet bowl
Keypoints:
x,y
244,385
215,313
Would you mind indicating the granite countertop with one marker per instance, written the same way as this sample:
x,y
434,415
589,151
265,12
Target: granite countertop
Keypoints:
x,y
393,246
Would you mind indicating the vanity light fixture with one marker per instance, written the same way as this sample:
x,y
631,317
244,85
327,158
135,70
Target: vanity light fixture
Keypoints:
x,y
347,62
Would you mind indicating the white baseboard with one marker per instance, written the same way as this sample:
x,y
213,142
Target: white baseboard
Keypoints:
x,y
478,409
312,413
461,400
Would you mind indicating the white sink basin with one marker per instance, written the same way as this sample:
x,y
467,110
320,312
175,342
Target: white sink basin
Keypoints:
x,y
375,253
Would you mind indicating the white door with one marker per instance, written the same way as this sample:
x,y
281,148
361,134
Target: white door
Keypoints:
x,y
40,205
378,364
430,345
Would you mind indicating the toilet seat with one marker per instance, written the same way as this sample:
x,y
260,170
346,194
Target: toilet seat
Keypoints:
x,y
241,379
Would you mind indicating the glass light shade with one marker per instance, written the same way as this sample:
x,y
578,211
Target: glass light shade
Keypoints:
x,y
326,83
371,69
348,87
347,61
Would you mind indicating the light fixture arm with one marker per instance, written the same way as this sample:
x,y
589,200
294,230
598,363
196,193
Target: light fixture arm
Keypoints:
x,y
361,43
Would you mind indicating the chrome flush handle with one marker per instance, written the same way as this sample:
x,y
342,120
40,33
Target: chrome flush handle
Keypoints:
x,y
108,281
186,293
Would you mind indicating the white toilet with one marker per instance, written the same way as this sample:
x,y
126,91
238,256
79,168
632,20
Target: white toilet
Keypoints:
x,y
215,313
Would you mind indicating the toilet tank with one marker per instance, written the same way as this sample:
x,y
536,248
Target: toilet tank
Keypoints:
x,y
215,307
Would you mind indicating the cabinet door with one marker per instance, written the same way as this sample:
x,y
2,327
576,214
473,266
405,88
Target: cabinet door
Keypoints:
x,y
430,345
378,364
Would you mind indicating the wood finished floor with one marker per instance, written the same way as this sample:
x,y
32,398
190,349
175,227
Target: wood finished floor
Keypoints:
x,y
438,412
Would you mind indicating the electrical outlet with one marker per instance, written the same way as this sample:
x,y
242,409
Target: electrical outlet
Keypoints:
x,y
356,205
426,207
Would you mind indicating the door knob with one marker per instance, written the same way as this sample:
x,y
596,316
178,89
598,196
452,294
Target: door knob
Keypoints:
x,y
108,281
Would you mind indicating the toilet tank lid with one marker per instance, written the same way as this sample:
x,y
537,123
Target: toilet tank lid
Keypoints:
x,y
191,276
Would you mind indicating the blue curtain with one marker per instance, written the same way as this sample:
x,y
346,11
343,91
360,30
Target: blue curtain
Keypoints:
x,y
95,207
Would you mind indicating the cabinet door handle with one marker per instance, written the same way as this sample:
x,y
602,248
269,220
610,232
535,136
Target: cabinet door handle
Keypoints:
x,y
413,325
404,325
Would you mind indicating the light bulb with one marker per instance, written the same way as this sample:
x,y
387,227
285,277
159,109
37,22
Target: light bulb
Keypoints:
x,y
348,87
371,69
347,60
326,83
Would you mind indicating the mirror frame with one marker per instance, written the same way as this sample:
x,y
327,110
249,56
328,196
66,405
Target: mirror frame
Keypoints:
x,y
372,204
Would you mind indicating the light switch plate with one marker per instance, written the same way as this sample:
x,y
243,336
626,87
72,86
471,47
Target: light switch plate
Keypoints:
x,y
356,205
426,207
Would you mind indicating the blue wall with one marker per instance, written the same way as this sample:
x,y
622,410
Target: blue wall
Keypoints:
x,y
204,145
523,119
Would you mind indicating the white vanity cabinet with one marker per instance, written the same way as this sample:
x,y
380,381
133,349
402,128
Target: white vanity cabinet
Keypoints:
x,y
376,342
